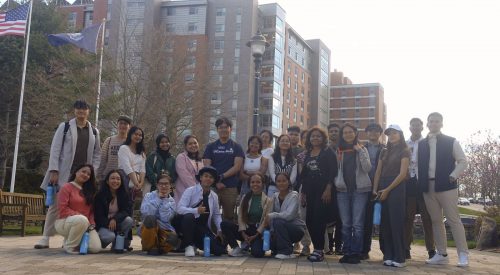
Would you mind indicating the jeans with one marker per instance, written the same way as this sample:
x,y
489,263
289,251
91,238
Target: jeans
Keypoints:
x,y
285,234
352,207
230,231
107,236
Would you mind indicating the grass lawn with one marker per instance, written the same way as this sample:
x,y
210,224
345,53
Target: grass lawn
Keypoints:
x,y
12,230
467,211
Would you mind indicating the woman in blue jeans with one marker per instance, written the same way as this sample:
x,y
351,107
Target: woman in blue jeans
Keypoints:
x,y
352,192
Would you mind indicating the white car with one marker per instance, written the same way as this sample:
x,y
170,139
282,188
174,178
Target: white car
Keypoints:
x,y
463,201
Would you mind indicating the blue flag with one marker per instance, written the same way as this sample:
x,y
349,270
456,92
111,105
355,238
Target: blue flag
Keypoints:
x,y
86,40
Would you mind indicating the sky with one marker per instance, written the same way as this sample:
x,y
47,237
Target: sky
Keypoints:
x,y
429,55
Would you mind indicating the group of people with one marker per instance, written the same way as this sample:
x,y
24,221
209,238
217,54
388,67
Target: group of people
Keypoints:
x,y
314,187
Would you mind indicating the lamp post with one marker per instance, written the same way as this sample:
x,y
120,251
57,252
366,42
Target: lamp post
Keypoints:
x,y
258,45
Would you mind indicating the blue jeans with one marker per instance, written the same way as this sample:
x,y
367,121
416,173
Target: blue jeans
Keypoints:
x,y
352,207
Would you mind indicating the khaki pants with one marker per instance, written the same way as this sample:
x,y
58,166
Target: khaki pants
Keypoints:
x,y
50,219
227,199
72,229
445,202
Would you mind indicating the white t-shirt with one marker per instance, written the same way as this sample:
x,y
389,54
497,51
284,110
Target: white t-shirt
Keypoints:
x,y
267,152
131,162
252,164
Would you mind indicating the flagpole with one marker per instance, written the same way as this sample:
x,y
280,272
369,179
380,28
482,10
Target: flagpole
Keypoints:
x,y
103,28
20,112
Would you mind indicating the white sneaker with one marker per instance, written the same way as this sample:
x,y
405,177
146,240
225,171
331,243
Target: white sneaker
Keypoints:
x,y
438,259
189,251
463,259
285,257
396,264
388,262
236,252
42,243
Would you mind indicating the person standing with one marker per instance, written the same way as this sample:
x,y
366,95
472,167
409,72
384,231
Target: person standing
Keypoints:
x,y
132,161
374,146
187,166
159,162
353,192
294,133
254,163
282,161
390,188
316,179
334,231
75,143
226,156
267,143
441,161
414,198
110,147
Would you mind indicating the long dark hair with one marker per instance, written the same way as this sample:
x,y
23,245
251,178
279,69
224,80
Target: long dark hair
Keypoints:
x,y
287,178
106,192
194,156
308,137
244,202
271,136
89,188
342,143
158,140
393,148
139,147
289,159
259,140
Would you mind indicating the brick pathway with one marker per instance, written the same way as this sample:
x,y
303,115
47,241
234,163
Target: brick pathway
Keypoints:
x,y
17,256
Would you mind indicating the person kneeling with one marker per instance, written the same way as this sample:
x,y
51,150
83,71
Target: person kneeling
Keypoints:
x,y
198,209
284,220
254,208
113,212
157,210
76,215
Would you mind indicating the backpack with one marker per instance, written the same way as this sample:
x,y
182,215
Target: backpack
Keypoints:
x,y
66,129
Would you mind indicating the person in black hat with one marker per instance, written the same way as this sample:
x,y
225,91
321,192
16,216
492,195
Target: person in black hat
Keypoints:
x,y
110,147
197,211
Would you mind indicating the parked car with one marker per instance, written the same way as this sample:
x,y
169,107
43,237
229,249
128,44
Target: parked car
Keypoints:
x,y
463,201
472,200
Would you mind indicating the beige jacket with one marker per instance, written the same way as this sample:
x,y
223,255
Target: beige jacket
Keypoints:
x,y
267,205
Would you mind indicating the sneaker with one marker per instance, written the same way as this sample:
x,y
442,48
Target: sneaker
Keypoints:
x,y
408,255
305,251
463,259
189,252
296,248
438,259
72,250
396,264
344,259
236,252
354,259
42,243
329,252
431,253
285,257
387,263
339,252
364,256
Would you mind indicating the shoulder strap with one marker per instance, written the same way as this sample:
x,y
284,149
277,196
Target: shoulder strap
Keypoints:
x,y
94,131
66,128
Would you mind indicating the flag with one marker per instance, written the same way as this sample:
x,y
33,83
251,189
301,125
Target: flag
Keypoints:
x,y
13,22
86,40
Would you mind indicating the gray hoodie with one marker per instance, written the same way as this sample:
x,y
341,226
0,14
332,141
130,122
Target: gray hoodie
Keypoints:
x,y
288,211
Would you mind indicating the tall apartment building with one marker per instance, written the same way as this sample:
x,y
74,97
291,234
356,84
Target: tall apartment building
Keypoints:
x,y
360,104
320,71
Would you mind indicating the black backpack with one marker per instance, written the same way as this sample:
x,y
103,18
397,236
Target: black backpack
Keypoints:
x,y
66,129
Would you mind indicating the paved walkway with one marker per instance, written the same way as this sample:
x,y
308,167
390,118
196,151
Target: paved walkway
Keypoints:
x,y
17,256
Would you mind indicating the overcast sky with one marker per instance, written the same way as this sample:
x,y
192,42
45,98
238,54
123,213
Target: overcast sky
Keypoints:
x,y
429,55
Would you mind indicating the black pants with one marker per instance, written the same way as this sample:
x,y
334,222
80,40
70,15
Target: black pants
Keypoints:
x,y
316,217
230,231
392,222
285,234
192,231
337,237
367,238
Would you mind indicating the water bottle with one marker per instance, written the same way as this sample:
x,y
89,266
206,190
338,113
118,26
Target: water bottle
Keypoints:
x,y
266,245
206,246
49,200
84,244
377,209
119,243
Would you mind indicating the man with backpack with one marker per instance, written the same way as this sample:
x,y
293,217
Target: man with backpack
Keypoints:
x,y
75,142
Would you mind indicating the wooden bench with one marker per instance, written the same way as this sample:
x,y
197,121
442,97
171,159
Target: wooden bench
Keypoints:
x,y
21,207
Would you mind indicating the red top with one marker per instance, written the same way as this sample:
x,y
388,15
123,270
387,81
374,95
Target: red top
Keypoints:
x,y
72,202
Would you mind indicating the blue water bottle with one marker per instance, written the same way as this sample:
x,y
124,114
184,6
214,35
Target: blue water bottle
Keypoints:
x,y
377,209
206,246
49,200
266,245
119,243
84,244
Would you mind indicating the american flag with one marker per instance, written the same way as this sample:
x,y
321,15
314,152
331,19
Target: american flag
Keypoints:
x,y
13,22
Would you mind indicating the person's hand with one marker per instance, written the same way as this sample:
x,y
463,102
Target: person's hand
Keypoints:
x,y
327,194
383,194
220,236
54,177
220,185
358,147
452,179
250,239
244,236
112,225
374,195
202,209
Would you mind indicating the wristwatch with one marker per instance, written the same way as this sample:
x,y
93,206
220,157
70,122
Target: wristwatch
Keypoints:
x,y
221,177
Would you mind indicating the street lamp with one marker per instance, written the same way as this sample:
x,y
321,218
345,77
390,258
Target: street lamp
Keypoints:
x,y
258,45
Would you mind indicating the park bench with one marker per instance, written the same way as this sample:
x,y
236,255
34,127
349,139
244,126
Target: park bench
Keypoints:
x,y
22,208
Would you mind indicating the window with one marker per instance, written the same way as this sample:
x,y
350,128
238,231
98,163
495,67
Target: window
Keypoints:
x,y
289,50
169,45
215,98
218,64
216,80
219,46
278,57
295,101
192,27
303,77
265,120
277,89
238,18
170,11
193,10
288,83
189,78
191,62
219,27
191,45
279,24
170,27
278,41
296,72
289,67
296,86
266,104
276,121
278,73
220,12
302,105
276,106
238,27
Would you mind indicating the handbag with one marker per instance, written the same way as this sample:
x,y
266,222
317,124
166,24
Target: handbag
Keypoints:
x,y
339,179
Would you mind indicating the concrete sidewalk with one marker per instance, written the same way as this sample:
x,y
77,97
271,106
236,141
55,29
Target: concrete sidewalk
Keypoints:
x,y
17,256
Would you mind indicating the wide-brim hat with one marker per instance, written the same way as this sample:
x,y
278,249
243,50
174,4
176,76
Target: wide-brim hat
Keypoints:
x,y
124,118
208,169
393,127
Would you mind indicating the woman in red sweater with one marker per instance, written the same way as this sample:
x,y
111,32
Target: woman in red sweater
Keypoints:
x,y
76,214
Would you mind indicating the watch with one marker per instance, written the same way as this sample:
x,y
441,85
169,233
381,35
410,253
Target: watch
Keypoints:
x,y
221,177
